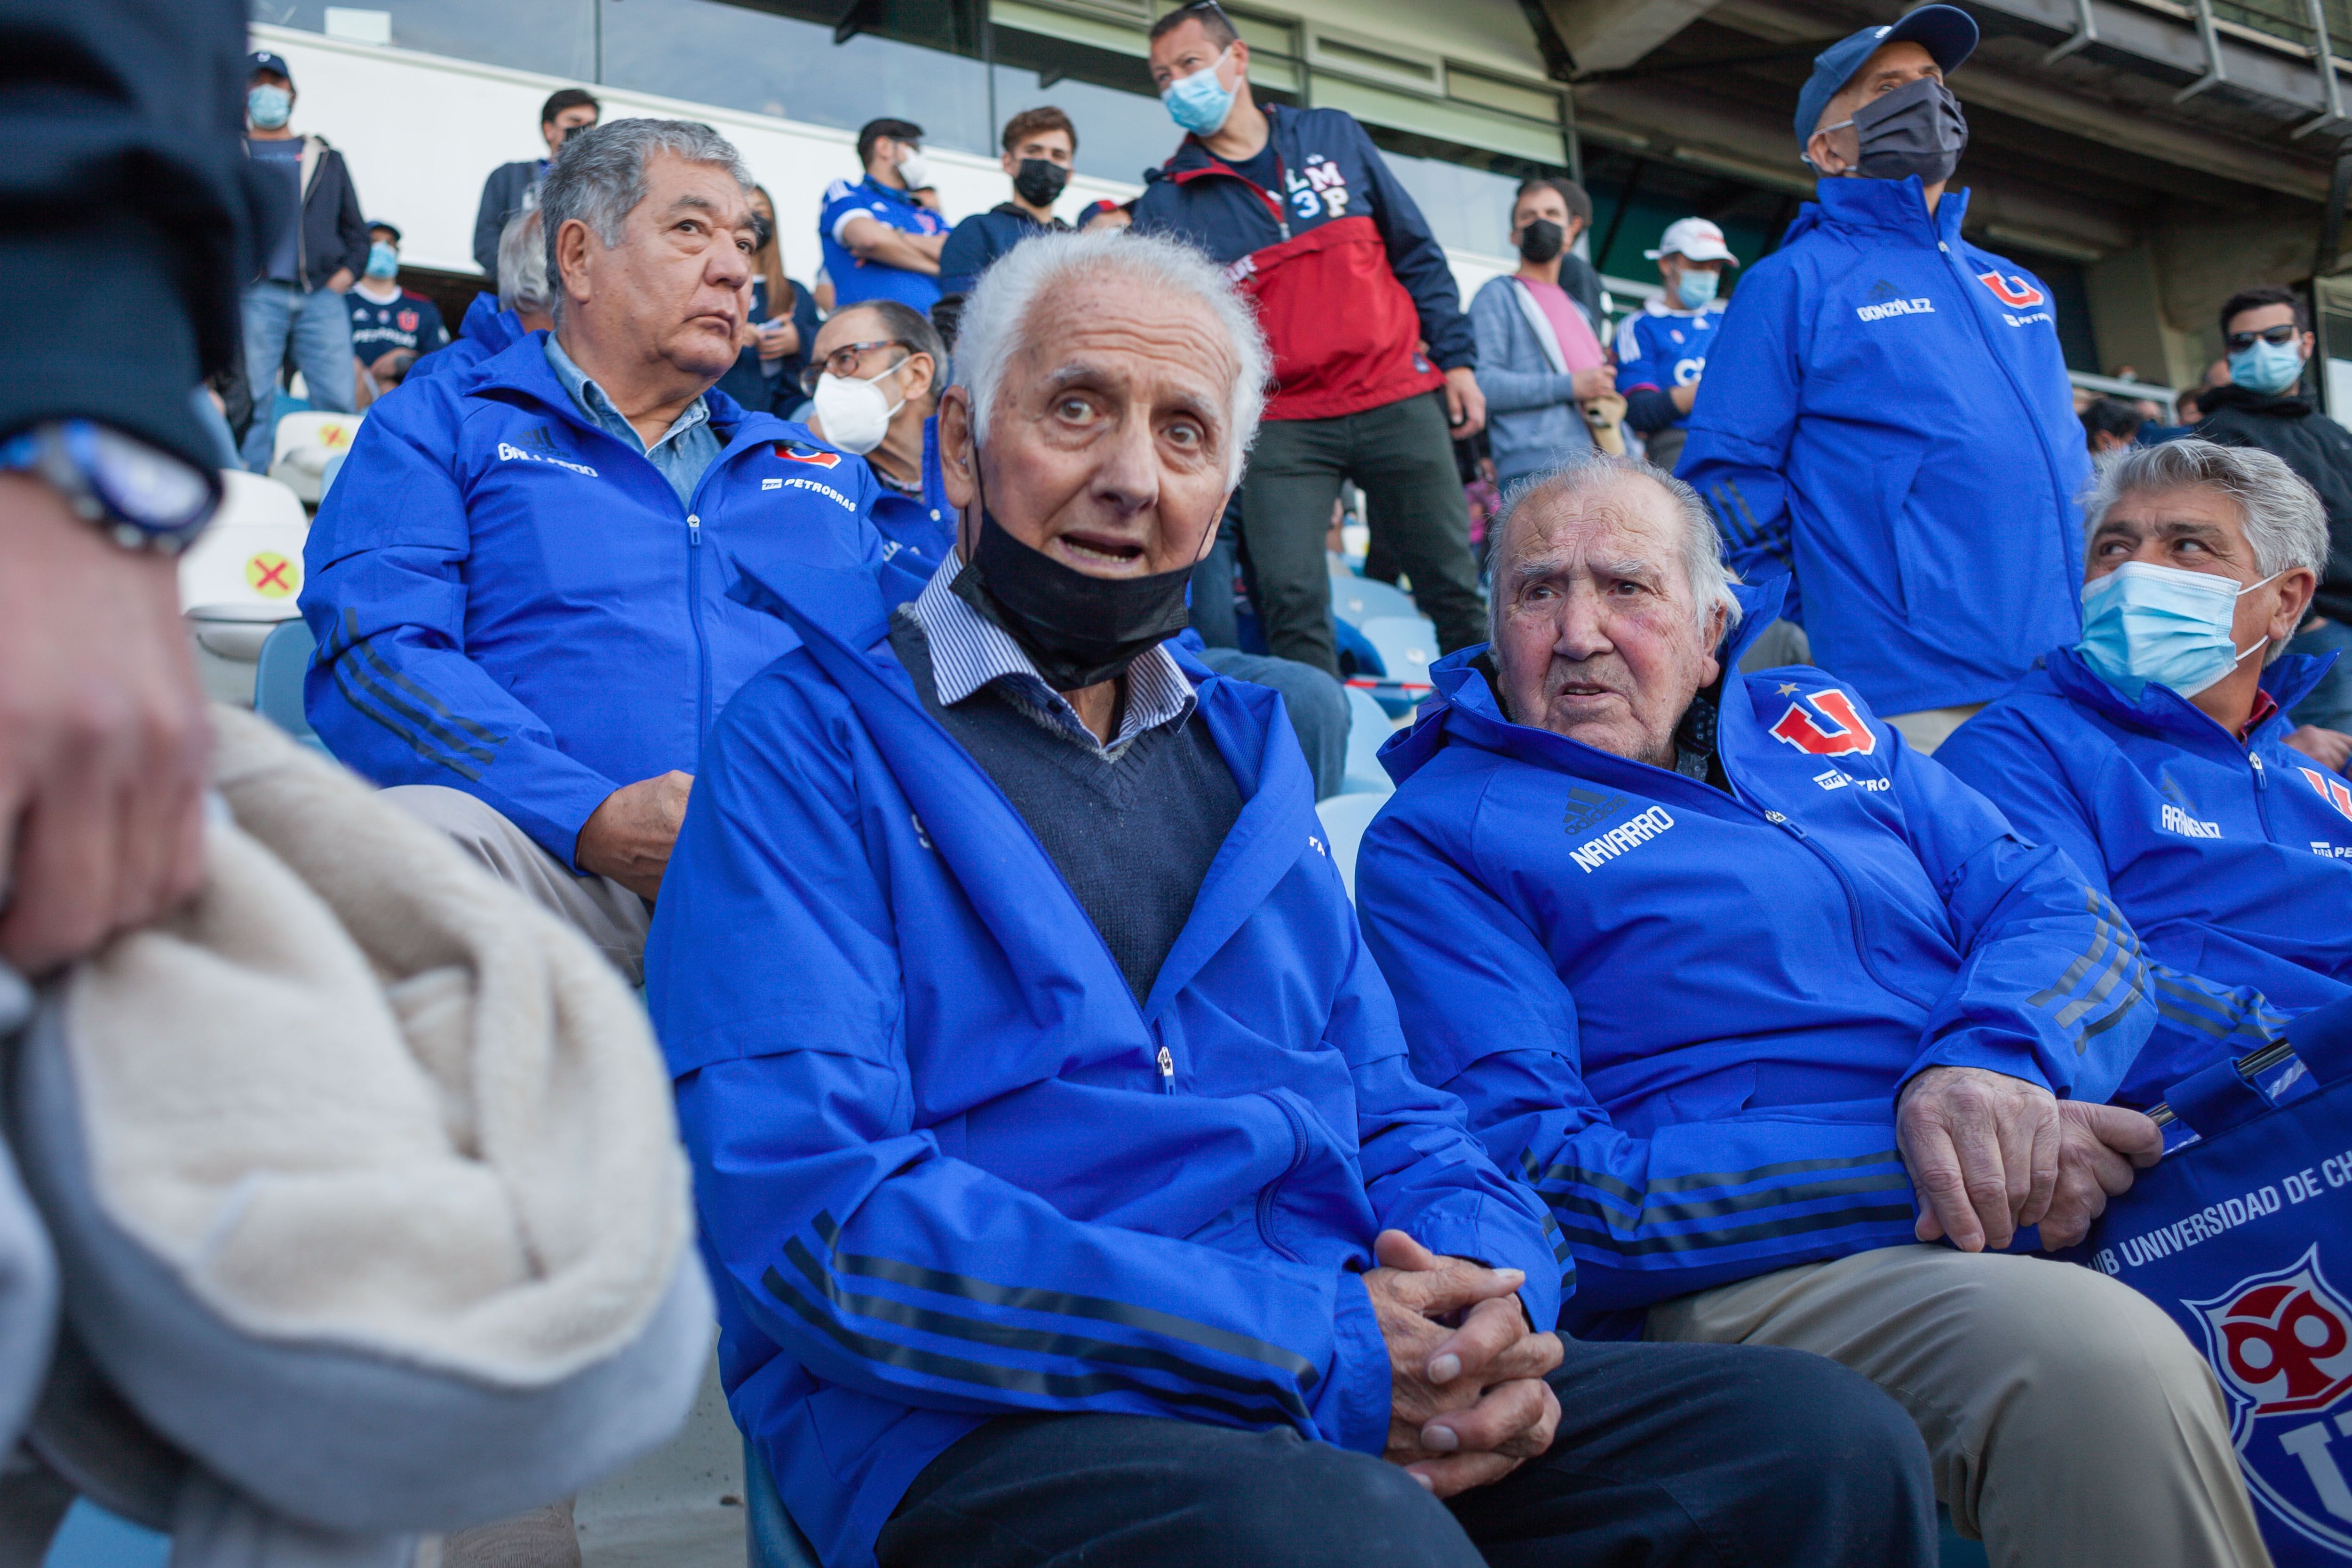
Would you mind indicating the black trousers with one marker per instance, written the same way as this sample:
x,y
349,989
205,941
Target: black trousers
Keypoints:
x,y
1667,1454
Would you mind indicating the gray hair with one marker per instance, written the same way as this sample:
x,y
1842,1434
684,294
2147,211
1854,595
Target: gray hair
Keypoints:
x,y
522,266
908,326
1702,549
996,317
2283,519
600,177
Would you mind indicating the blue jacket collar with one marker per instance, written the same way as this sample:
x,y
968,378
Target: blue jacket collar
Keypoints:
x,y
522,367
1896,206
486,324
843,619
1463,704
2165,712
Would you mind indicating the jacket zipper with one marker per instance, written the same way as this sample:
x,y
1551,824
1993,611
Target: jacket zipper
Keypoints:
x,y
2026,405
2262,794
693,615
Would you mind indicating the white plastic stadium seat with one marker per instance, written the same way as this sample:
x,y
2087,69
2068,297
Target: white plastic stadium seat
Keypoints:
x,y
305,442
1368,728
240,580
1407,646
1345,817
1356,600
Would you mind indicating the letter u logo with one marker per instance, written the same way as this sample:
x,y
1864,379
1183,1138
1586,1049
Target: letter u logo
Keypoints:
x,y
2012,290
1844,734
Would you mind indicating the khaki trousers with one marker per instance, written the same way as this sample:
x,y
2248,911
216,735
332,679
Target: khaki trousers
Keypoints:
x,y
1929,728
2070,1422
599,909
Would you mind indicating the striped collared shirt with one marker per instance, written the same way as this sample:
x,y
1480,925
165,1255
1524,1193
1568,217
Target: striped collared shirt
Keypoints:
x,y
969,651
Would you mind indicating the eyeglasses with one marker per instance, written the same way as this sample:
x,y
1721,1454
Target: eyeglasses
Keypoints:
x,y
844,360
2282,334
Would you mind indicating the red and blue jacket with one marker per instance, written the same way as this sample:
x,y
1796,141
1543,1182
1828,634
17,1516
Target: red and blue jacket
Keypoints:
x,y
1686,1015
949,1166
2233,858
511,603
1349,281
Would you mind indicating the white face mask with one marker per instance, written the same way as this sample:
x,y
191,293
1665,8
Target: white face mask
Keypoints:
x,y
915,169
854,413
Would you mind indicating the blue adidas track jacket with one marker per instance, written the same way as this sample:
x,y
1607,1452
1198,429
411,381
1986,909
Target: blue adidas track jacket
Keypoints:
x,y
486,332
2232,859
949,1168
511,603
923,525
1686,1015
1885,410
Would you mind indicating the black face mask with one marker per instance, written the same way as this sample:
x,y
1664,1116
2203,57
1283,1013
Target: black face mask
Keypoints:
x,y
762,231
1918,129
1040,180
1541,240
1077,630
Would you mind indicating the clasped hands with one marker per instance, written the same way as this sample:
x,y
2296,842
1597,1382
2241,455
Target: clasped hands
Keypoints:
x,y
1990,1154
1468,1403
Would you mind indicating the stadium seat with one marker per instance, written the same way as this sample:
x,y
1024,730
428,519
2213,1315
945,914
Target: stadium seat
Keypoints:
x,y
1407,644
279,672
774,1541
327,474
1356,600
1369,726
1345,817
303,445
241,579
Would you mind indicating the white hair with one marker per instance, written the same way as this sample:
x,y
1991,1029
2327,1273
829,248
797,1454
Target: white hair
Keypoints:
x,y
995,321
522,266
600,176
1702,549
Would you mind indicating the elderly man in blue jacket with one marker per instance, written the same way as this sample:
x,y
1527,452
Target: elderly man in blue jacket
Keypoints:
x,y
1057,1157
1761,1001
519,585
2157,753
1885,413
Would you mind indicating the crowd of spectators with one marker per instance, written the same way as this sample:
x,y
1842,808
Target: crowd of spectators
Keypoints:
x,y
1084,1147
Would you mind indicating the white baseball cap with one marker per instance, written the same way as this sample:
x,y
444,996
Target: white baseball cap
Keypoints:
x,y
1693,239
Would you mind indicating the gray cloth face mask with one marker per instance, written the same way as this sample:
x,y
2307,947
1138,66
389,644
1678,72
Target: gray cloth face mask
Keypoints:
x,y
1918,129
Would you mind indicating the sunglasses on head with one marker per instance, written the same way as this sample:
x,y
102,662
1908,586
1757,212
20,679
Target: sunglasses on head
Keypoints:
x,y
2238,343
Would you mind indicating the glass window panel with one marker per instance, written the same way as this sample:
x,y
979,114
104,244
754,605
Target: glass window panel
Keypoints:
x,y
1467,209
1120,134
556,37
707,51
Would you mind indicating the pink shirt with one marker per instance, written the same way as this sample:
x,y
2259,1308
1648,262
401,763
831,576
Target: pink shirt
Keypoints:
x,y
1578,346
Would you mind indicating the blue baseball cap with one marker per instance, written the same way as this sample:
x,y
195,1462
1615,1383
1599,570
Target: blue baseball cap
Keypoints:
x,y
263,60
1946,32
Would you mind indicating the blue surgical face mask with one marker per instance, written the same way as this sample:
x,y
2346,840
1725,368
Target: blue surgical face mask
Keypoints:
x,y
384,262
1199,103
268,107
1695,288
2267,368
2144,624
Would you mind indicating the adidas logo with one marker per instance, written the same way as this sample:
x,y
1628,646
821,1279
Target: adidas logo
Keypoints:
x,y
1586,808
1882,289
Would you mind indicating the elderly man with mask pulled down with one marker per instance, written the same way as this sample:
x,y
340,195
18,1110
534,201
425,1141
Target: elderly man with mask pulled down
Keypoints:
x,y
1765,1004
520,582
1056,1153
1885,414
2157,753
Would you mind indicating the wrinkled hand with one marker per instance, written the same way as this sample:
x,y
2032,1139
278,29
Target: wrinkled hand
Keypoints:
x,y
1466,406
103,744
1982,1148
2097,1147
1469,1403
2329,748
630,837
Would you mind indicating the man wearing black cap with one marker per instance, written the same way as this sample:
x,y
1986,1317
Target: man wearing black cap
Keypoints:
x,y
312,244
1885,413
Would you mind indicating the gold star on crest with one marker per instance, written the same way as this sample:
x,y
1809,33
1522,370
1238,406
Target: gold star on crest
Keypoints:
x,y
1787,689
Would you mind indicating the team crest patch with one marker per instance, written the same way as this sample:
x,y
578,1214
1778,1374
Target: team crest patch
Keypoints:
x,y
2281,1342
2330,789
408,320
1825,724
815,456
2012,290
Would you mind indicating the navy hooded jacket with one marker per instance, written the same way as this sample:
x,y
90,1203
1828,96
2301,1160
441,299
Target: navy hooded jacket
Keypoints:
x,y
1885,410
509,602
2233,859
949,1167
1687,1015
1346,276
